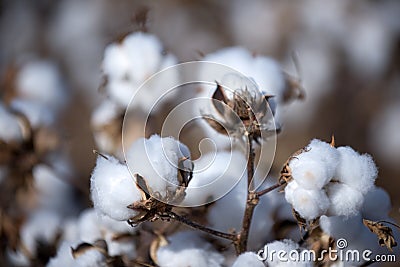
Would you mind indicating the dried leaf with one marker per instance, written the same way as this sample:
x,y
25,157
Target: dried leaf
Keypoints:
x,y
384,233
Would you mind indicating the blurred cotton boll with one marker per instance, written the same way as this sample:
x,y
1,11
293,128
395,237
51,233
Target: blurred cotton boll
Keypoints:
x,y
113,189
248,259
188,249
127,66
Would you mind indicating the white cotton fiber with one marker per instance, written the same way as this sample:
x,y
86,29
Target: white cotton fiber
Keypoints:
x,y
10,128
376,204
113,189
156,159
248,259
310,203
40,82
115,63
310,173
214,175
63,257
324,152
285,248
357,171
89,228
91,258
105,113
344,199
188,249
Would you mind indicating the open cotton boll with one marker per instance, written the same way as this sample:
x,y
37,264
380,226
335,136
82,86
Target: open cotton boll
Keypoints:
x,y
285,249
63,257
157,159
324,152
10,128
42,226
308,172
89,229
214,175
122,246
355,170
188,249
376,204
40,81
248,259
116,65
37,114
310,204
113,188
344,199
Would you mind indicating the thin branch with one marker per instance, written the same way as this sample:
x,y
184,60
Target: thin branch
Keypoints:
x,y
269,189
181,219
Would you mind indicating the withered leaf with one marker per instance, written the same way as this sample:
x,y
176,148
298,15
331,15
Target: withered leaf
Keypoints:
x,y
384,233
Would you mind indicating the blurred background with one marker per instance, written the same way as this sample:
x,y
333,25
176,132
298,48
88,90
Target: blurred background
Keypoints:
x,y
348,52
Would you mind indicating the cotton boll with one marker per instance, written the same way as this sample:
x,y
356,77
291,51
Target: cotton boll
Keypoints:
x,y
357,171
115,63
10,128
309,173
33,229
63,257
285,248
40,82
214,175
89,228
118,227
157,159
53,192
342,226
326,153
344,199
37,114
310,204
113,189
188,249
289,191
376,204
248,259
123,246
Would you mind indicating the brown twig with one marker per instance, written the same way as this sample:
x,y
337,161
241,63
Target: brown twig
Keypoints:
x,y
184,220
271,188
251,202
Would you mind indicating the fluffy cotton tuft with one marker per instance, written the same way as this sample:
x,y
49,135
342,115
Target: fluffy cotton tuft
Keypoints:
x,y
10,128
130,63
355,170
113,189
157,160
188,249
309,173
40,82
344,199
248,259
286,246
310,203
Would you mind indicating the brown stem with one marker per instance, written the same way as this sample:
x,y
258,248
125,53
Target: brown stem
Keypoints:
x,y
269,189
251,202
181,219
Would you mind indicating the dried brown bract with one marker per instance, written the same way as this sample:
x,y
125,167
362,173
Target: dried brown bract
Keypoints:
x,y
384,233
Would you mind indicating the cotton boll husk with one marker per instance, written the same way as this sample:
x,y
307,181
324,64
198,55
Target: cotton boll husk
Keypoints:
x,y
37,114
113,189
214,175
156,159
40,82
376,204
33,229
188,249
355,170
248,259
10,128
310,204
309,173
344,199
